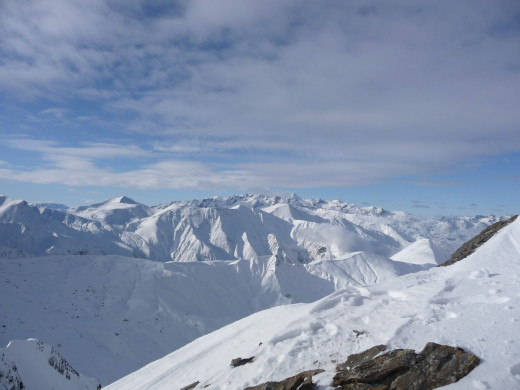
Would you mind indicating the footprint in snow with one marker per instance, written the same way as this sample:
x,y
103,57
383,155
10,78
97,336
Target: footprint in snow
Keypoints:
x,y
481,273
515,371
449,286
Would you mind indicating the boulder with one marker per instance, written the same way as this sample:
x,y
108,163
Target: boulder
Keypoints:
x,y
402,369
240,362
301,381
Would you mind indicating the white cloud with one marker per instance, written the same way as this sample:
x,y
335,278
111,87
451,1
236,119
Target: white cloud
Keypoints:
x,y
51,150
80,166
246,93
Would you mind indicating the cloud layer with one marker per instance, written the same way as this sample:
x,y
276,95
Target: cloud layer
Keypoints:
x,y
241,94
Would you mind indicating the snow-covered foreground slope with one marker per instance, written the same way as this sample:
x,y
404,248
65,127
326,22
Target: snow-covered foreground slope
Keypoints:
x,y
473,304
110,315
31,364
238,227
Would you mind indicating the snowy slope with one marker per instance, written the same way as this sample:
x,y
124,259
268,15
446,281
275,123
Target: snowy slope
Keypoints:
x,y
110,315
31,364
473,304
422,251
117,212
238,227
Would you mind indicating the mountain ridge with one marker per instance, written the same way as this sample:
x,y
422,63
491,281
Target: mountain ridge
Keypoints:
x,y
462,305
109,314
240,226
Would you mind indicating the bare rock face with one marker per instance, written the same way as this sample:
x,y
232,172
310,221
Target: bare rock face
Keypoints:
x,y
402,369
356,359
301,381
472,245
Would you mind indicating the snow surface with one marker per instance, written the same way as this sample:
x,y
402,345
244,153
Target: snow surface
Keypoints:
x,y
237,227
422,251
110,315
473,304
39,366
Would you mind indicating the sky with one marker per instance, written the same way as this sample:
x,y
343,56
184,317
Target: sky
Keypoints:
x,y
405,105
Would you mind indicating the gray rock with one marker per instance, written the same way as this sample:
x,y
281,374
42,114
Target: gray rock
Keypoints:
x,y
240,362
378,370
301,381
190,386
472,245
402,369
358,358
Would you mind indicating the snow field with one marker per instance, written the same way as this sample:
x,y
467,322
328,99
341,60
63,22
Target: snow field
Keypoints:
x,y
474,304
110,315
33,358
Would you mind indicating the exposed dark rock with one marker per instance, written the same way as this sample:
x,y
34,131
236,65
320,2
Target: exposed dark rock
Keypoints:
x,y
9,376
402,369
60,364
472,245
240,362
301,381
379,370
358,358
191,386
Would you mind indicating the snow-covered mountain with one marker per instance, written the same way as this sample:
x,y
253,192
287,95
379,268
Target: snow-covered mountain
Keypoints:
x,y
85,281
473,304
237,227
110,315
27,230
31,364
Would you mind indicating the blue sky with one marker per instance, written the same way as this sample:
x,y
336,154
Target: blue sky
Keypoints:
x,y
405,105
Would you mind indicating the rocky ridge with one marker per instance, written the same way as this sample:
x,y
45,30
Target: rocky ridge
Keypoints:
x,y
472,245
238,227
31,364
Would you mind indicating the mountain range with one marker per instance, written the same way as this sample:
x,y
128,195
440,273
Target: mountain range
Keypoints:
x,y
116,285
237,227
473,305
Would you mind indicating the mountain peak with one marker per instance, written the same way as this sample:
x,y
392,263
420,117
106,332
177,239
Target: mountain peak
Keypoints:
x,y
123,199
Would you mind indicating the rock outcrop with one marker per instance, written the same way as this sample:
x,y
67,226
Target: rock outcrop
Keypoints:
x,y
402,369
191,386
240,362
472,245
301,381
9,376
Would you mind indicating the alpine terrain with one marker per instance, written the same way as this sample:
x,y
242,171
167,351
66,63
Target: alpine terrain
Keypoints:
x,y
114,286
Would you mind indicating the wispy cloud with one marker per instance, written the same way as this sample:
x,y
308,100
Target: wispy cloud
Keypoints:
x,y
419,204
245,93
436,183
52,149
